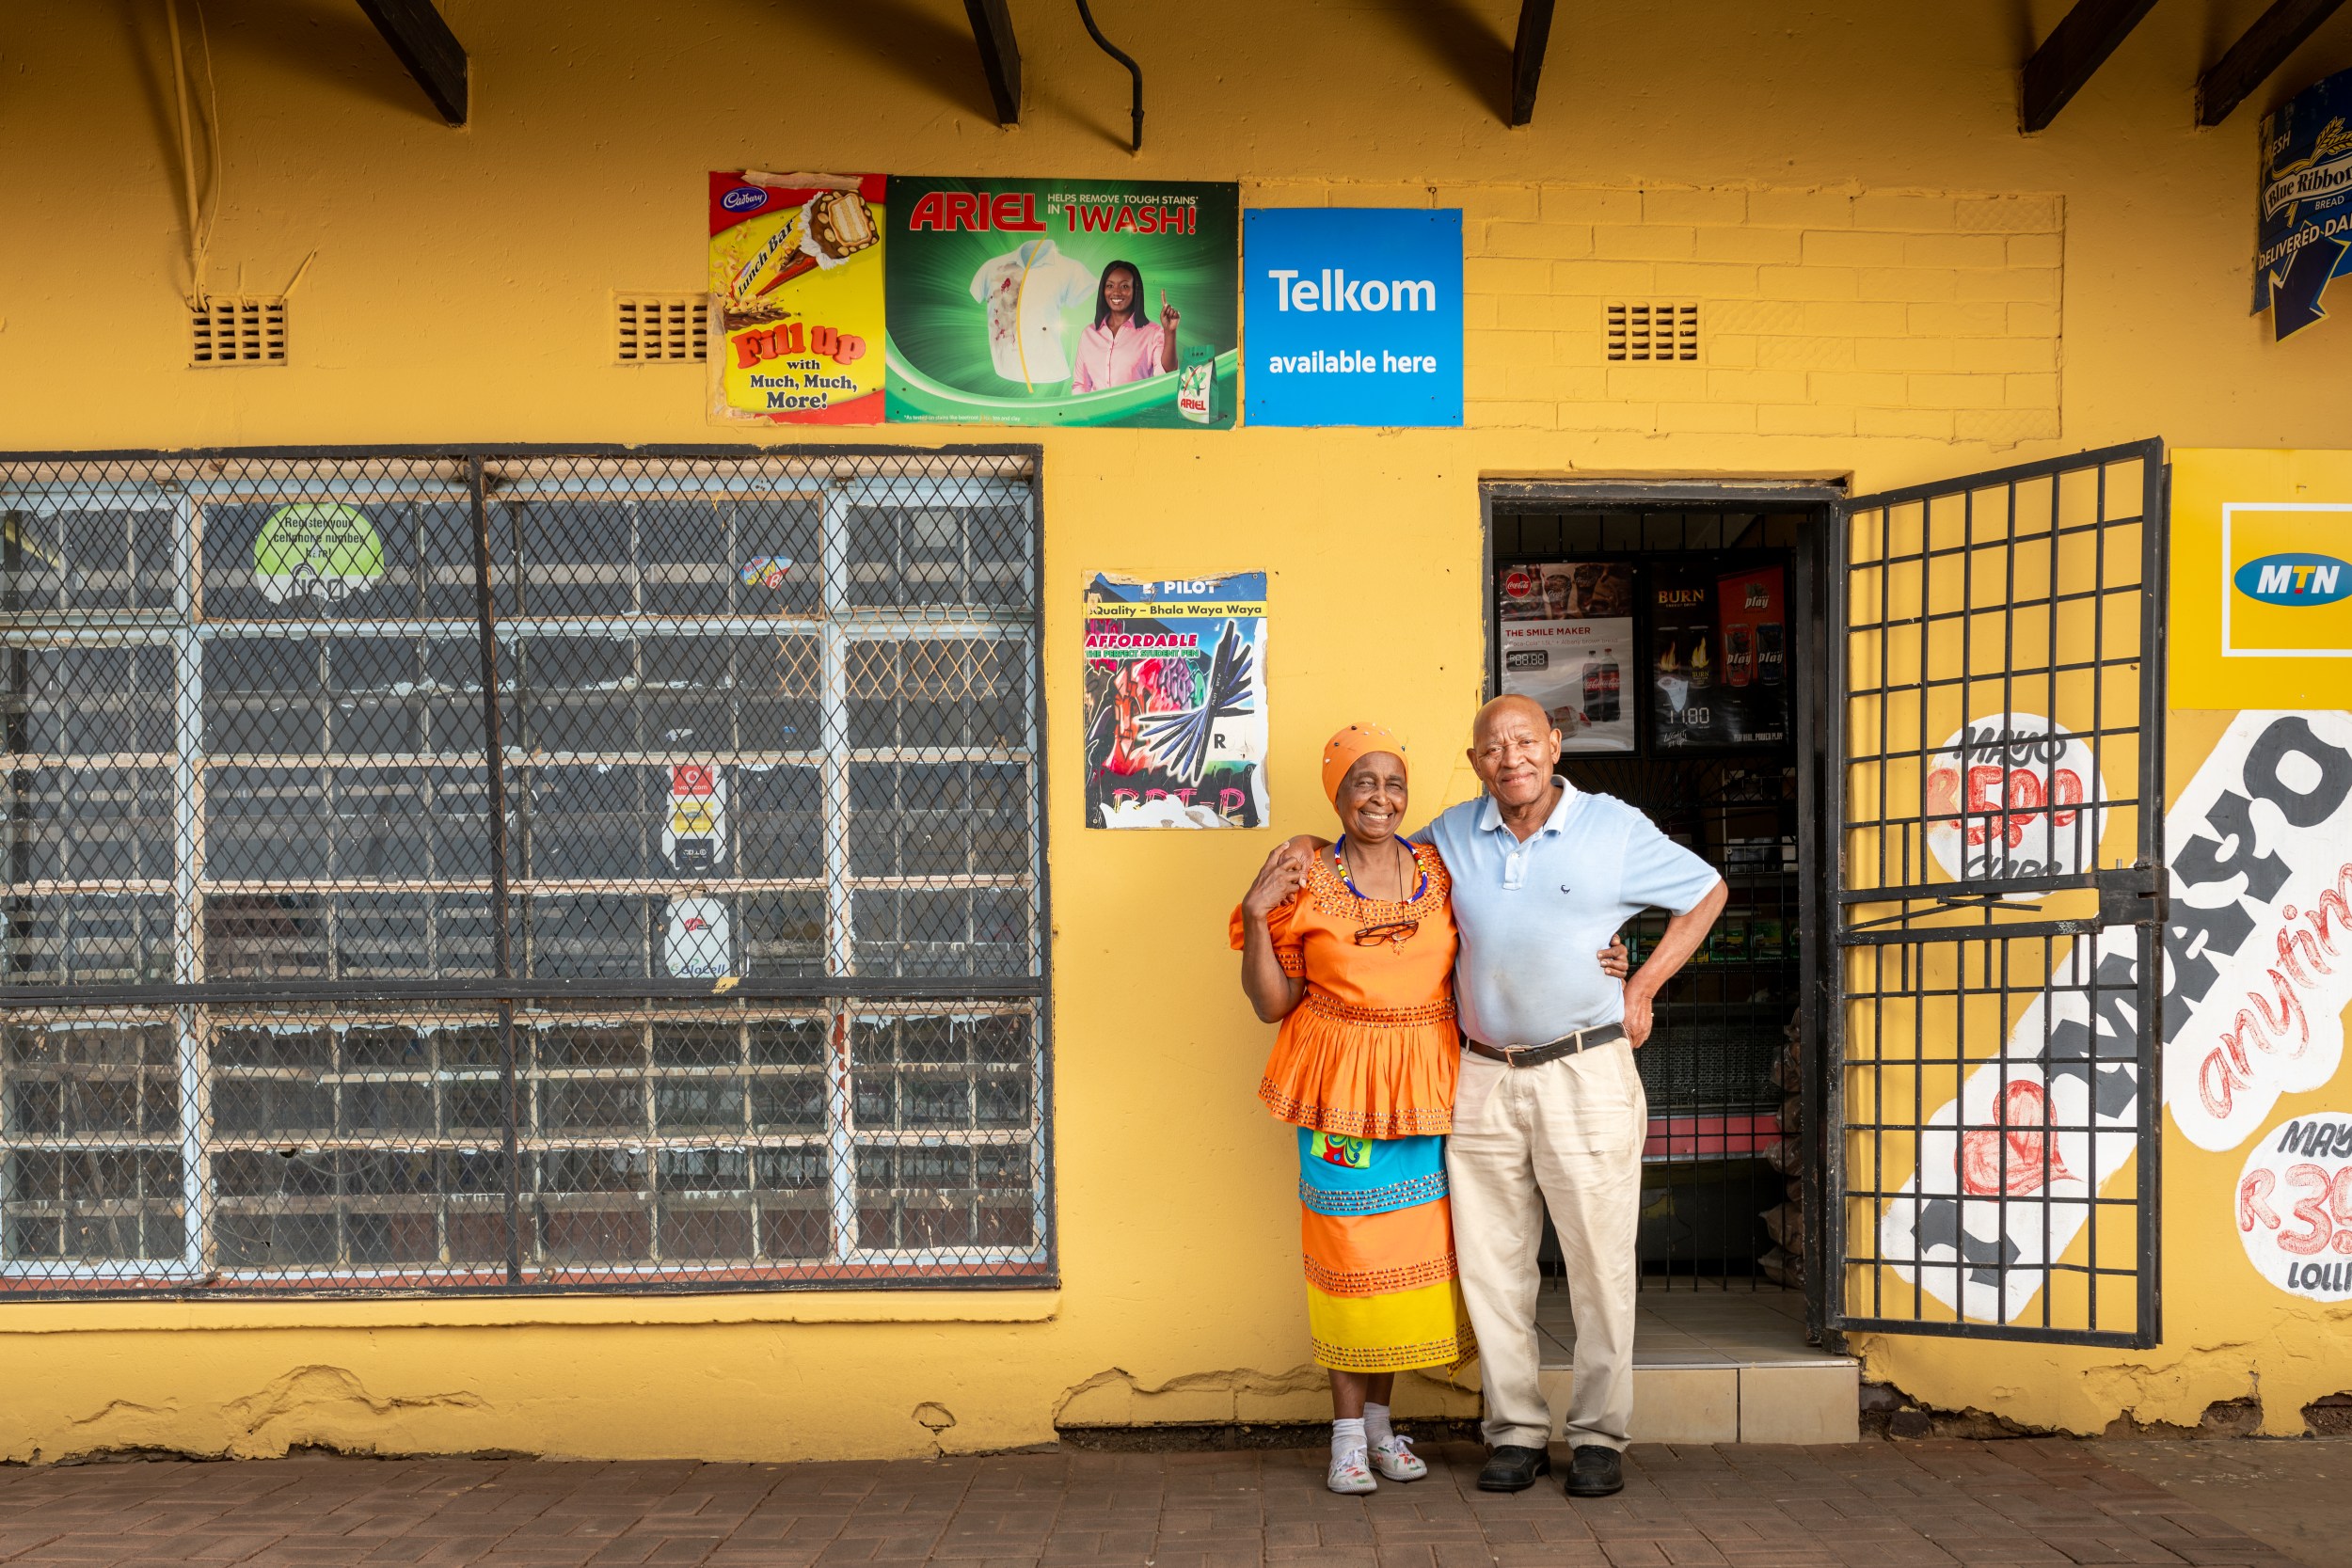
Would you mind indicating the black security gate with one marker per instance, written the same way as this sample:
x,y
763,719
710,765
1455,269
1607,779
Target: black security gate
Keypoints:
x,y
1996,781
518,869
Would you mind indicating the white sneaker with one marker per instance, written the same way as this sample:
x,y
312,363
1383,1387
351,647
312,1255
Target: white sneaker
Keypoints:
x,y
1396,1460
1350,1476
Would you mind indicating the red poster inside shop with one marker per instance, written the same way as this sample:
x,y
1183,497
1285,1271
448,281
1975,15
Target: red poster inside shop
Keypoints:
x,y
1719,657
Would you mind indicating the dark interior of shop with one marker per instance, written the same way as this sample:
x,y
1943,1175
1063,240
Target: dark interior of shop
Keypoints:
x,y
1661,642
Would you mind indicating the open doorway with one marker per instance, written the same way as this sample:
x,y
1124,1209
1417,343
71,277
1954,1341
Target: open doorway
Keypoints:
x,y
1668,631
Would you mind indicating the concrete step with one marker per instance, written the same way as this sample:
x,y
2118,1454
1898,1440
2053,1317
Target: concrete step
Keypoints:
x,y
1815,1403
1713,1366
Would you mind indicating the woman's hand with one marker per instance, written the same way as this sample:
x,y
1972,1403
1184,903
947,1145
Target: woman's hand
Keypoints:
x,y
1612,958
1279,880
1170,316
1271,993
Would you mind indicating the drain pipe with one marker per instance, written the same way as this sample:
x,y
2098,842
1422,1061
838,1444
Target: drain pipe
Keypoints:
x,y
1087,15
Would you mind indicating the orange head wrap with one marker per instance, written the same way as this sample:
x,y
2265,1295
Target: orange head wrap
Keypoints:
x,y
1340,751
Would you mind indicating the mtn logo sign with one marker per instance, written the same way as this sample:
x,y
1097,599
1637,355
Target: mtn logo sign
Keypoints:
x,y
2295,579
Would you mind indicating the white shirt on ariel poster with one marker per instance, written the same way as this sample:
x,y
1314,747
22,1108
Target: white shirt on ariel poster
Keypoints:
x,y
1025,292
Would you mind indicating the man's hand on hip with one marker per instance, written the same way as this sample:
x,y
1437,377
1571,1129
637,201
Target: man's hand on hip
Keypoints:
x,y
1681,938
1637,1014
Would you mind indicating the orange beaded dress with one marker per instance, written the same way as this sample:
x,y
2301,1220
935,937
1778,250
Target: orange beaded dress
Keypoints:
x,y
1365,1067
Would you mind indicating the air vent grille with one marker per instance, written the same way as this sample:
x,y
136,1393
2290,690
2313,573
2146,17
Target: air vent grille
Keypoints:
x,y
1653,331
652,329
238,331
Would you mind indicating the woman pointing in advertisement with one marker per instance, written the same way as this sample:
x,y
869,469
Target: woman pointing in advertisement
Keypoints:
x,y
1122,346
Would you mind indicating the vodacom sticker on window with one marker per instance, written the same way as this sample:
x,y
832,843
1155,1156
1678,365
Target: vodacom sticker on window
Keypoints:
x,y
2007,798
2294,1206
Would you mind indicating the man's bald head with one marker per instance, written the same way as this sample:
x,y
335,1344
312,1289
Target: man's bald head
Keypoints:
x,y
1510,702
1513,749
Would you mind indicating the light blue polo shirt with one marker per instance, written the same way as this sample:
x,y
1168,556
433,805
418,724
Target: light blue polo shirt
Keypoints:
x,y
1534,914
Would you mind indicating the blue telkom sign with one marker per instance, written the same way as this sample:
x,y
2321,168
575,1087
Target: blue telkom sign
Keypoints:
x,y
1352,316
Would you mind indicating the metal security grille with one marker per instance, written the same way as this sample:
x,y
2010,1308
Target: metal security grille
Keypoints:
x,y
1999,803
1722,1173
522,870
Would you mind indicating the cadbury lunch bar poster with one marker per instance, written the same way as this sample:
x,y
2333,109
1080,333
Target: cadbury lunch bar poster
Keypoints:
x,y
796,297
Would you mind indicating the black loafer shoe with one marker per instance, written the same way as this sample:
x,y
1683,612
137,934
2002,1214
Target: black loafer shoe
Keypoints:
x,y
1593,1471
1512,1468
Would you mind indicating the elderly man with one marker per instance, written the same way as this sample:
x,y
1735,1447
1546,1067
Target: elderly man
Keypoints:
x,y
1550,1111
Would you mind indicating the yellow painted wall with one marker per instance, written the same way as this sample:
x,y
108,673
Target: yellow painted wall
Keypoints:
x,y
1899,286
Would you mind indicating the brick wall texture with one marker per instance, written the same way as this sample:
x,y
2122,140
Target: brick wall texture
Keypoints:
x,y
1870,313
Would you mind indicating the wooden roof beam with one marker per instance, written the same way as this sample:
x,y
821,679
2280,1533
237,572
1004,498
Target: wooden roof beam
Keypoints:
x,y
1527,57
2251,61
2075,49
1000,56
429,50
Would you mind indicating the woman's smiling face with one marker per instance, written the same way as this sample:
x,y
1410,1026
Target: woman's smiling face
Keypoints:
x,y
1373,797
1119,291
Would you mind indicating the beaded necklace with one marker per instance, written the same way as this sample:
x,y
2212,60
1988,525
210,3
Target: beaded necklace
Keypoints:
x,y
1340,865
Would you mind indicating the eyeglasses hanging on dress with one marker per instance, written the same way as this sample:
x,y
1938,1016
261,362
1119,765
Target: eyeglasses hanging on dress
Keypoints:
x,y
1396,931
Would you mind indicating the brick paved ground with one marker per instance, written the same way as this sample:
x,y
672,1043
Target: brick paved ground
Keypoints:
x,y
2296,1493
1895,1504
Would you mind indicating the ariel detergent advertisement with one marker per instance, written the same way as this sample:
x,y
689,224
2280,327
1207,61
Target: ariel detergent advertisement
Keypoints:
x,y
1077,302
796,294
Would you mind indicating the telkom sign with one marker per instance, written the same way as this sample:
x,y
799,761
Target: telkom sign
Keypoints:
x,y
1353,316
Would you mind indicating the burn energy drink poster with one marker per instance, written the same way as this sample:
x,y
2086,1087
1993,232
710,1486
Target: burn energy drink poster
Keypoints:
x,y
1071,302
1719,656
1175,701
796,297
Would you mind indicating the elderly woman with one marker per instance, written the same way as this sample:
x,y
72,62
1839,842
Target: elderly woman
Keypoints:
x,y
1350,945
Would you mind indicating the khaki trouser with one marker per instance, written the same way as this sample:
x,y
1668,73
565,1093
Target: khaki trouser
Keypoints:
x,y
1566,1133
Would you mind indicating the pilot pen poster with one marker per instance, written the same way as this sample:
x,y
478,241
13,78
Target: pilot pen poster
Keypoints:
x,y
796,288
1175,701
1063,302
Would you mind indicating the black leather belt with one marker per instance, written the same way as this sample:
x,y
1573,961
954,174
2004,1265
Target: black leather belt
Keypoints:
x,y
1534,1055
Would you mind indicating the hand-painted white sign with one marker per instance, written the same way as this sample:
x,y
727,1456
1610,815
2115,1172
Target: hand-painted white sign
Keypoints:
x,y
2261,852
2294,1206
2005,799
2259,954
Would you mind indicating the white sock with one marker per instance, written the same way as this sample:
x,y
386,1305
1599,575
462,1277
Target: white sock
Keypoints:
x,y
1376,1428
1347,1438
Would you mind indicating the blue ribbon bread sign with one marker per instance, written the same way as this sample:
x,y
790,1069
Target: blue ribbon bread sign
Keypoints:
x,y
2304,235
1353,316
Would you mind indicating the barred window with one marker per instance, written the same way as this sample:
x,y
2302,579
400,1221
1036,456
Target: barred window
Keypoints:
x,y
522,871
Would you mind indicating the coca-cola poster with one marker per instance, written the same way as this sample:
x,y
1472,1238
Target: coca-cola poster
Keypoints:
x,y
1567,643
